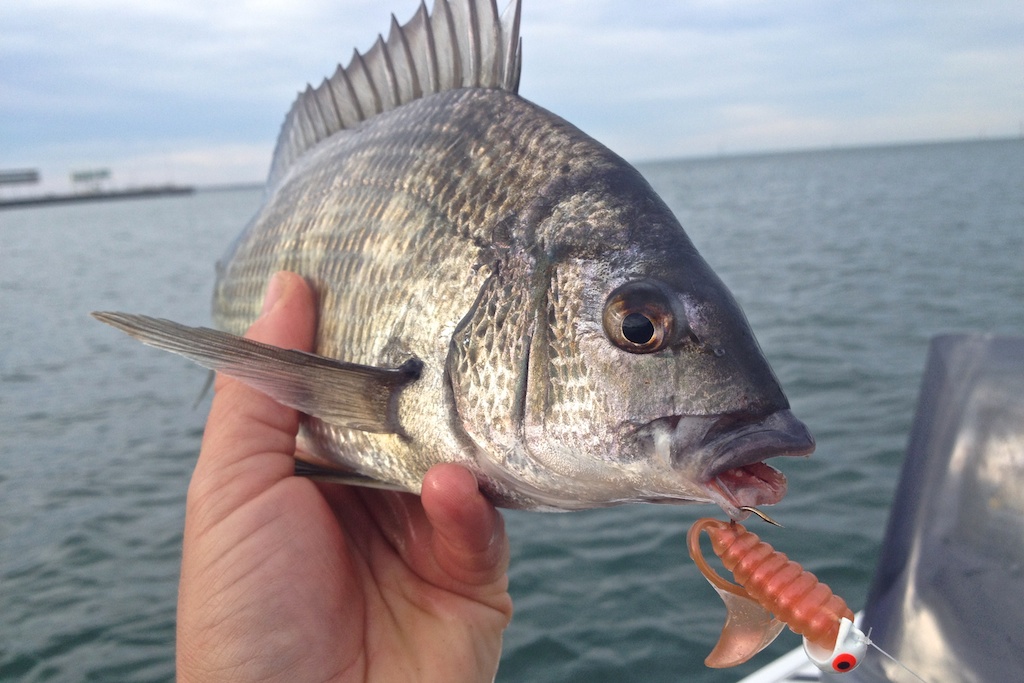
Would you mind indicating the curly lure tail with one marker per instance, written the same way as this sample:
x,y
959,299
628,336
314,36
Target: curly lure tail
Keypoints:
x,y
773,591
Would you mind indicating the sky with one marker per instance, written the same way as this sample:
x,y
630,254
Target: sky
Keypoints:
x,y
194,91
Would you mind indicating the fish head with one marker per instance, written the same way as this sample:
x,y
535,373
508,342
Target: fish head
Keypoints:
x,y
691,402
642,380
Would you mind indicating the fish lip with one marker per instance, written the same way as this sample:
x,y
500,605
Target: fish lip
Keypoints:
x,y
736,475
723,456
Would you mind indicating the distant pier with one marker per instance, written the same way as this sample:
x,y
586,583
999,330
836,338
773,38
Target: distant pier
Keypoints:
x,y
92,190
136,193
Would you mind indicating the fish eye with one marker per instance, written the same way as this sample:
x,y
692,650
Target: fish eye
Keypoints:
x,y
637,328
638,317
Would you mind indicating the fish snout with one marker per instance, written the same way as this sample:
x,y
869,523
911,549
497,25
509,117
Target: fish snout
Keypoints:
x,y
724,455
735,474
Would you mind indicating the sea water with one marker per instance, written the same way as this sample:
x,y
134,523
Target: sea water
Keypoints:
x,y
845,261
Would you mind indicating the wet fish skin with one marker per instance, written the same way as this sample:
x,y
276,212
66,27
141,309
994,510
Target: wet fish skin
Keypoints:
x,y
482,234
495,288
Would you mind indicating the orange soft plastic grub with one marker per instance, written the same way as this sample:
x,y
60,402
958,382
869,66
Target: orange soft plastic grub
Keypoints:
x,y
772,592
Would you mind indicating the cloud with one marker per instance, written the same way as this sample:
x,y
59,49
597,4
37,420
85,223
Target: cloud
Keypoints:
x,y
112,77
801,74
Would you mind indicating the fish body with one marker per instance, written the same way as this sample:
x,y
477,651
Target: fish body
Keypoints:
x,y
560,334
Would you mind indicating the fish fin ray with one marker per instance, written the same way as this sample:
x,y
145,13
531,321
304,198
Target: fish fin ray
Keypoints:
x,y
338,475
342,394
461,44
407,80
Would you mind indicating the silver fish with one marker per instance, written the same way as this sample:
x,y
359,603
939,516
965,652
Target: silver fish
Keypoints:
x,y
496,289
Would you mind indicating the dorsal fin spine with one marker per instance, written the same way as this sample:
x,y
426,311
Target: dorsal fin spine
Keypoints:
x,y
316,115
389,74
513,68
474,46
514,56
460,44
348,96
398,35
428,32
349,76
328,112
316,118
372,97
495,39
306,126
452,41
328,104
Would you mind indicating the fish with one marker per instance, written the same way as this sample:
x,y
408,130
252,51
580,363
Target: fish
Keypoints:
x,y
495,288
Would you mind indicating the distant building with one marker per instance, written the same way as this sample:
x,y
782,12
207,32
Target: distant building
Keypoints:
x,y
17,177
90,181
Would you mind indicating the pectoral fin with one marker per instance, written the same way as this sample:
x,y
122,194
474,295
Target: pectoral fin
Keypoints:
x,y
343,394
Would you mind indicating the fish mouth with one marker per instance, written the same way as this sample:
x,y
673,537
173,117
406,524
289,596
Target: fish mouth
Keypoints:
x,y
724,455
736,475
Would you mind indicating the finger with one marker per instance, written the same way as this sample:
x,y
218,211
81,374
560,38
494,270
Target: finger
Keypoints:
x,y
250,438
469,539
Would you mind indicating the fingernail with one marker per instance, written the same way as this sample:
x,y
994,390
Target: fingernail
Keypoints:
x,y
274,291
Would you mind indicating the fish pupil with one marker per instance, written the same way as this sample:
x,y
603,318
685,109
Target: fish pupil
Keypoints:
x,y
637,328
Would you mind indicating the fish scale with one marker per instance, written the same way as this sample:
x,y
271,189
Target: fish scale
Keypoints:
x,y
475,258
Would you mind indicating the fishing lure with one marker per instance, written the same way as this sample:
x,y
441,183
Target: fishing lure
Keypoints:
x,y
773,591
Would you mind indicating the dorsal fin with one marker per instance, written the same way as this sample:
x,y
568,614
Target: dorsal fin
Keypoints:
x,y
461,44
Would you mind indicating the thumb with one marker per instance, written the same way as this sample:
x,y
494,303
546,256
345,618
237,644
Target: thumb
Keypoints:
x,y
249,441
469,541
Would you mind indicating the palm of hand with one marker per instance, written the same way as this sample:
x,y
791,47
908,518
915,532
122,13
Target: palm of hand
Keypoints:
x,y
284,579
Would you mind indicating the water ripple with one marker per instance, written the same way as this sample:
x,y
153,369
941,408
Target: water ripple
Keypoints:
x,y
846,263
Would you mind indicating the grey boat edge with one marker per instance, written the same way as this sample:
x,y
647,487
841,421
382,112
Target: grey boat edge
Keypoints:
x,y
947,591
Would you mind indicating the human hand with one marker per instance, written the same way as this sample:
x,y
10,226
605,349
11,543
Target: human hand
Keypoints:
x,y
286,579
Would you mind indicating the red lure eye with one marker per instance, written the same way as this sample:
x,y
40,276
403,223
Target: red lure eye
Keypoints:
x,y
844,662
